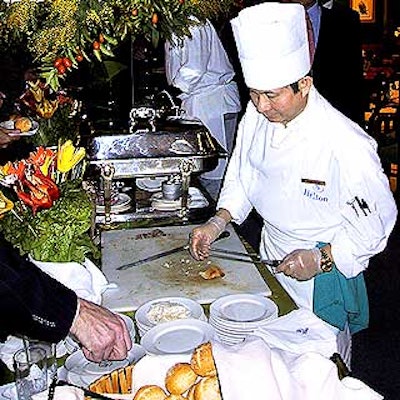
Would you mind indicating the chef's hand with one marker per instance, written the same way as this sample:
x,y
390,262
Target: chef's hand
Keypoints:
x,y
202,237
102,334
301,264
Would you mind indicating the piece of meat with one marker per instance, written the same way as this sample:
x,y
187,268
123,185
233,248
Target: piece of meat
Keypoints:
x,y
212,272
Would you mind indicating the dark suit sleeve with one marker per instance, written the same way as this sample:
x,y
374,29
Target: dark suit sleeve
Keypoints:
x,y
31,302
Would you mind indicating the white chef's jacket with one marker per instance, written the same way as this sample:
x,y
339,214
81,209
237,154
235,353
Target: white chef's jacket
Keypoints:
x,y
200,68
299,179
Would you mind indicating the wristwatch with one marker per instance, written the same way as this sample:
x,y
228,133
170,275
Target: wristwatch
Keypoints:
x,y
326,262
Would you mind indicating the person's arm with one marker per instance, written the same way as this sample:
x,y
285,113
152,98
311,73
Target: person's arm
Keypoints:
x,y
32,303
368,212
35,305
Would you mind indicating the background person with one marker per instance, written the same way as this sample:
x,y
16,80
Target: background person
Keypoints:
x,y
199,67
326,208
337,68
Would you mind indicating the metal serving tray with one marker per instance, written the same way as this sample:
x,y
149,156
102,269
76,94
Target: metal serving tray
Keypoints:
x,y
155,153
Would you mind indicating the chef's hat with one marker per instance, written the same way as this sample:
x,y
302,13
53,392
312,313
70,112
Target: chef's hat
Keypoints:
x,y
272,43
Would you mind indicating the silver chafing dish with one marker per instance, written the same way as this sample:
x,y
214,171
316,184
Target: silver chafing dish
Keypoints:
x,y
176,148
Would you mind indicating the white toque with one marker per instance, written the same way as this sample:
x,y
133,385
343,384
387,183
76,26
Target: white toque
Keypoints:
x,y
272,44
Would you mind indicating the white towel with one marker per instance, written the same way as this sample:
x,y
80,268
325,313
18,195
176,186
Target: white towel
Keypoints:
x,y
299,332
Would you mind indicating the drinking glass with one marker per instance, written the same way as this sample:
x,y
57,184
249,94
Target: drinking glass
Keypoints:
x,y
30,366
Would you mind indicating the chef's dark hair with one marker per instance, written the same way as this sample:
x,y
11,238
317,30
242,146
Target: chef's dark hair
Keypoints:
x,y
295,85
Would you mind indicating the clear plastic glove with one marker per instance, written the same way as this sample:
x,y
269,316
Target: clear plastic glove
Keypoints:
x,y
202,237
301,264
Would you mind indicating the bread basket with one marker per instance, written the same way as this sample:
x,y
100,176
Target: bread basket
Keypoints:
x,y
116,382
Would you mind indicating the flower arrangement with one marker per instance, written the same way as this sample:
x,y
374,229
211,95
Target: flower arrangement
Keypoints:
x,y
56,113
60,34
45,210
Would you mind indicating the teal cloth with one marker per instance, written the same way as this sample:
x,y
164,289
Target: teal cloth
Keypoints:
x,y
341,301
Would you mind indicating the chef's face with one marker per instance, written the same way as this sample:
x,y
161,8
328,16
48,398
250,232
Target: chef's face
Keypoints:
x,y
284,104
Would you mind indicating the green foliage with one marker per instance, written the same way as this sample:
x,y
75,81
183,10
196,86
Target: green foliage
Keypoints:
x,y
59,234
51,29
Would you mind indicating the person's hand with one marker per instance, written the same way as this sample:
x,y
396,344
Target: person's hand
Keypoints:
x,y
102,334
301,264
202,237
6,139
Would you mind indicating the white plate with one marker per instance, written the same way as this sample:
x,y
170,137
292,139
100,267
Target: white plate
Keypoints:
x,y
196,311
121,205
10,125
197,201
243,308
177,337
158,203
152,184
77,364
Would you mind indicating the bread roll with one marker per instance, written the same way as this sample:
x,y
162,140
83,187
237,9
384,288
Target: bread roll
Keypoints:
x,y
190,393
175,397
24,124
202,361
150,392
207,389
180,377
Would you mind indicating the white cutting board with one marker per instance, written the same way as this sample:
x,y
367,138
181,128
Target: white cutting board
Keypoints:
x,y
173,275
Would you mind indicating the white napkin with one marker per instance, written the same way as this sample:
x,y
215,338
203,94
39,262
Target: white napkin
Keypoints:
x,y
252,370
245,371
86,280
152,369
299,332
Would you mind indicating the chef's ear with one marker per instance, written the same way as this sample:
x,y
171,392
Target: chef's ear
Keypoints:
x,y
305,85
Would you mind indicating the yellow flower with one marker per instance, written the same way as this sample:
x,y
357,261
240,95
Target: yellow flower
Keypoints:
x,y
68,156
5,204
4,169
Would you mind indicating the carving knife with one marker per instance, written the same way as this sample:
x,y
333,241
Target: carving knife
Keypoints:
x,y
223,235
271,263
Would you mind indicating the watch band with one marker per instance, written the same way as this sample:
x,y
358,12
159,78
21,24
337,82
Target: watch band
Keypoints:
x,y
326,262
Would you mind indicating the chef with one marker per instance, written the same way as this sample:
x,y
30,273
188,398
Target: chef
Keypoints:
x,y
200,68
311,173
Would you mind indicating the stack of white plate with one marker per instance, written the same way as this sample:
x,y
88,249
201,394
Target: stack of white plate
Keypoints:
x,y
236,316
167,309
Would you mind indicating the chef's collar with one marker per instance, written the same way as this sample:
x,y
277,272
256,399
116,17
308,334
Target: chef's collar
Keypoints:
x,y
305,114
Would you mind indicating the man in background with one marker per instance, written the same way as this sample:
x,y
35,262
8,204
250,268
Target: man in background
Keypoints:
x,y
199,67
